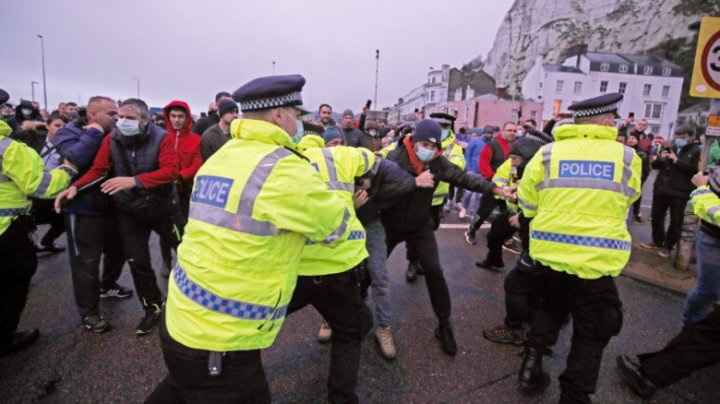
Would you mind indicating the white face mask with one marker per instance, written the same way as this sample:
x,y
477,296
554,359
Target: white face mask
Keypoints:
x,y
128,127
26,111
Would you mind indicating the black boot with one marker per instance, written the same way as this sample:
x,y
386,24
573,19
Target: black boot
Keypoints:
x,y
412,272
532,378
444,334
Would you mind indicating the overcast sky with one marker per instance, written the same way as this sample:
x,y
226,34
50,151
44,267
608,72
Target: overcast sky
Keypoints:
x,y
190,50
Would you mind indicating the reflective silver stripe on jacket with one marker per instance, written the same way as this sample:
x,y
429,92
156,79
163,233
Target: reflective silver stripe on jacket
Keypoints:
x,y
4,144
712,212
219,304
242,221
333,183
527,205
622,187
337,233
44,185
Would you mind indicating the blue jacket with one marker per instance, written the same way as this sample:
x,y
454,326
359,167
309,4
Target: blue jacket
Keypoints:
x,y
472,154
79,146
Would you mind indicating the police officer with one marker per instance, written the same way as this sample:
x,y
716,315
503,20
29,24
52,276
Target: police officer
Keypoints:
x,y
329,279
253,206
578,238
454,153
23,176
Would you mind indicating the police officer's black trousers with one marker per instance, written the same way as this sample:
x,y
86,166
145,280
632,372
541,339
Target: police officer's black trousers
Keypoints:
x,y
337,298
521,293
597,315
135,239
421,243
89,237
242,379
18,264
696,347
500,231
488,203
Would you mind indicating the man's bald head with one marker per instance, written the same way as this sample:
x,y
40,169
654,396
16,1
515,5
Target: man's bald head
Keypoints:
x,y
102,111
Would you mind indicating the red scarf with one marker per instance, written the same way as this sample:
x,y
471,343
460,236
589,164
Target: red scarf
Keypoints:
x,y
418,165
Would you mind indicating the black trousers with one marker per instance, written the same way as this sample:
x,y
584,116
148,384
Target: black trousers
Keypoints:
x,y
488,203
89,237
18,264
181,213
44,213
421,244
597,316
337,298
660,205
242,379
522,298
435,212
500,231
696,347
135,239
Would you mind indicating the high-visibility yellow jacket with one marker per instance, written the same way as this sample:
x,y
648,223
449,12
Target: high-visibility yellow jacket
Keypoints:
x,y
706,205
338,166
253,206
578,190
505,177
24,175
453,152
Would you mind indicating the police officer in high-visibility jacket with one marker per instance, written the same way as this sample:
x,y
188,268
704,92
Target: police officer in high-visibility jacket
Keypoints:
x,y
329,279
254,205
454,153
578,191
23,176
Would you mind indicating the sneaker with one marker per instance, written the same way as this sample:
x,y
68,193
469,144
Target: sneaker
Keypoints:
x,y
444,334
632,375
664,252
385,340
462,214
52,248
20,340
493,266
650,246
152,317
95,323
470,237
117,291
324,333
512,247
503,334
638,219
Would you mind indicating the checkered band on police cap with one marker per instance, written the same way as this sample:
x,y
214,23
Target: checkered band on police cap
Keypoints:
x,y
272,102
604,104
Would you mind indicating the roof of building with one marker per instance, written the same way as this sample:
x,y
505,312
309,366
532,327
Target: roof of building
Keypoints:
x,y
561,68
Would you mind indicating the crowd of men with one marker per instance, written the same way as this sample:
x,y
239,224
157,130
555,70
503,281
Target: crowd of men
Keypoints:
x,y
270,212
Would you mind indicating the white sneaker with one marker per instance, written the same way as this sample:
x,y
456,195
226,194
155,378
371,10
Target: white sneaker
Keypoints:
x,y
462,214
324,333
385,340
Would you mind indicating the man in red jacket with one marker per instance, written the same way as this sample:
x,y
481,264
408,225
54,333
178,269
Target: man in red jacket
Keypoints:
x,y
178,123
141,165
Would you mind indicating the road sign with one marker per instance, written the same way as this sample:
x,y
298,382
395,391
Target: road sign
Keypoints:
x,y
713,126
706,71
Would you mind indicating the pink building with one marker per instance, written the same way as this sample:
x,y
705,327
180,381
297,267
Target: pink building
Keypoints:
x,y
489,109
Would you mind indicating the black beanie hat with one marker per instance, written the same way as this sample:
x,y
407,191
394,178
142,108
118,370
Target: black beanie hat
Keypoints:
x,y
428,130
226,105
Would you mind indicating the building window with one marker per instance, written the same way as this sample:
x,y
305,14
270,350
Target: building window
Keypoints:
x,y
433,80
432,95
604,67
653,110
654,128
603,86
666,71
666,91
646,90
533,114
648,70
559,86
556,107
623,68
622,87
578,87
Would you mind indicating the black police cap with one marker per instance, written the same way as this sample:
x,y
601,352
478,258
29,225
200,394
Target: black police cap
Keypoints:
x,y
442,118
604,104
4,96
271,92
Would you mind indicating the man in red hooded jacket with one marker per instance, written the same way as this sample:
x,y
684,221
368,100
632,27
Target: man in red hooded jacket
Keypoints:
x,y
178,122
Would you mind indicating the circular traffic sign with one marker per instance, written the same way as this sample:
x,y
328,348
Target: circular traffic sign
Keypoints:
x,y
710,62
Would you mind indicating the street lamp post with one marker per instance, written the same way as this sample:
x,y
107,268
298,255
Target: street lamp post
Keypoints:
x,y
273,67
137,79
377,65
42,51
32,89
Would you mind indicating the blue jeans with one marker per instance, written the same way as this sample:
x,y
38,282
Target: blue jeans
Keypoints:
x,y
707,288
377,249
471,201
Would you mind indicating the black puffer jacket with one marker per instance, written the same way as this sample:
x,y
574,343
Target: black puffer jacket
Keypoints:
x,y
413,210
389,184
674,179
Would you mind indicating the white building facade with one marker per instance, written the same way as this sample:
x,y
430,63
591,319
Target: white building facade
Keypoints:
x,y
651,85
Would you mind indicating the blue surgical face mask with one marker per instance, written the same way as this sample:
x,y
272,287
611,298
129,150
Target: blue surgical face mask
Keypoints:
x,y
299,131
445,133
128,127
680,143
425,154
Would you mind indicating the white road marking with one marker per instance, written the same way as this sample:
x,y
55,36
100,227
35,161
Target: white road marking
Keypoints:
x,y
461,226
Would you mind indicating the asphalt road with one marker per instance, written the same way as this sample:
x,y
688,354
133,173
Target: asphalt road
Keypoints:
x,y
68,365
